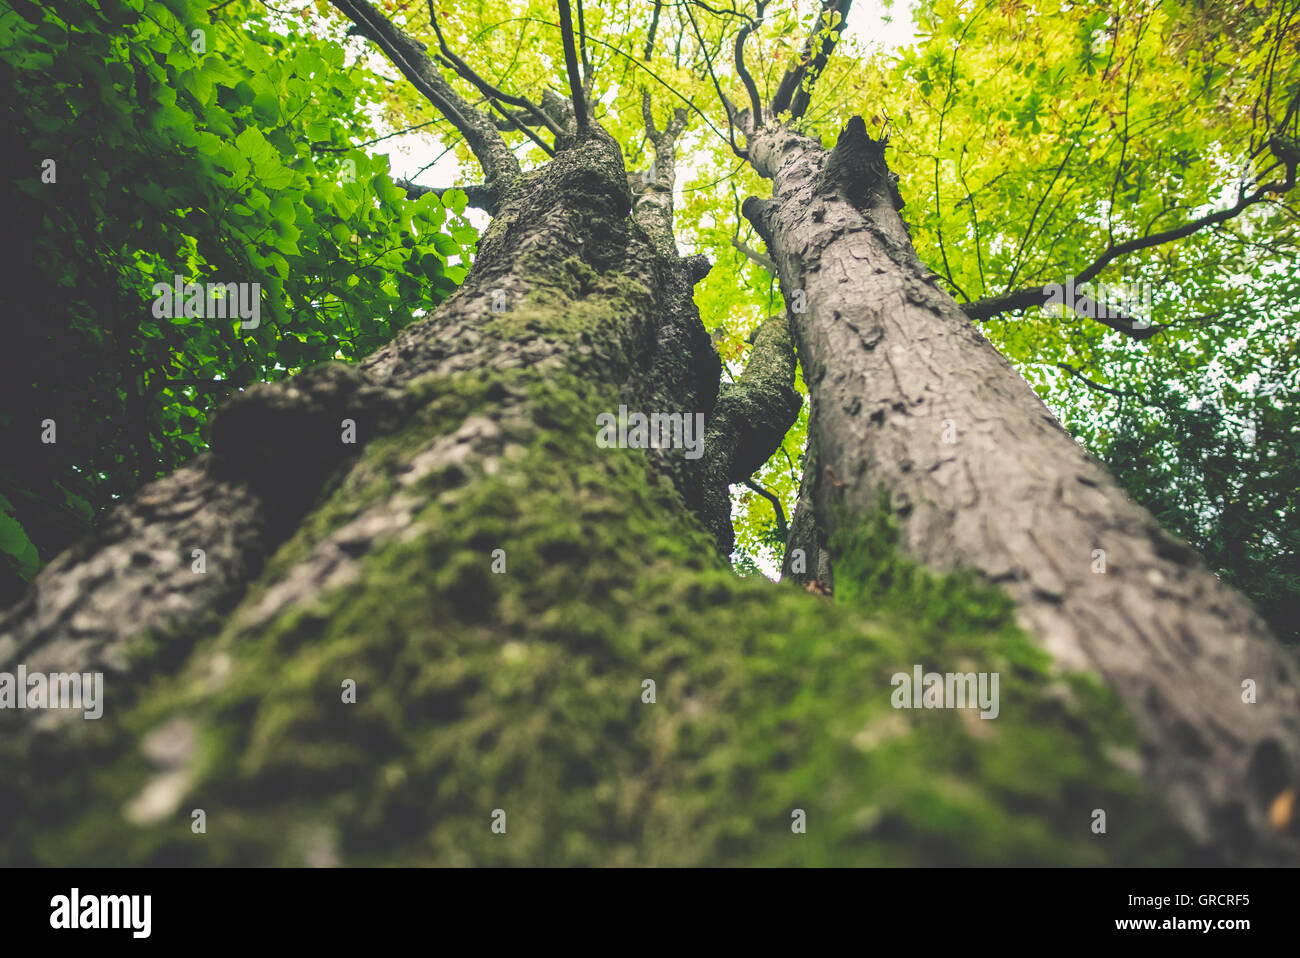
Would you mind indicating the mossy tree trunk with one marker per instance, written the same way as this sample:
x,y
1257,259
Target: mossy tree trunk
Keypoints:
x,y
909,397
552,662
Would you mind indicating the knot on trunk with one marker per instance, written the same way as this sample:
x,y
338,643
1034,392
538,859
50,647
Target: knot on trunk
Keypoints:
x,y
760,213
697,267
284,439
856,167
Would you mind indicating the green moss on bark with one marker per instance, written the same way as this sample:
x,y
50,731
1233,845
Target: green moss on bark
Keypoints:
x,y
522,691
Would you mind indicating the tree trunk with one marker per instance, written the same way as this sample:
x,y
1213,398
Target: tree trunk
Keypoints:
x,y
552,662
908,397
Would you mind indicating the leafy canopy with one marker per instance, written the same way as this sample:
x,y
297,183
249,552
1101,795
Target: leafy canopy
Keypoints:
x,y
1032,141
221,148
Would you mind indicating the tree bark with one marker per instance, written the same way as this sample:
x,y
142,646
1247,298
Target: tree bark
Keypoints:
x,y
521,689
908,397
536,626
484,410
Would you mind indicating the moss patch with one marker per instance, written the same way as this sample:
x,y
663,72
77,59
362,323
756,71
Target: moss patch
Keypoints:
x,y
522,691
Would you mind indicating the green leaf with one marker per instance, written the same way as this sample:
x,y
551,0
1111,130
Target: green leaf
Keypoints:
x,y
266,107
454,199
431,265
253,145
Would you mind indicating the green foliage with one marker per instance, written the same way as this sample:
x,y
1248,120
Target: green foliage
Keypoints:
x,y
224,155
1038,141
16,547
1225,485
1028,139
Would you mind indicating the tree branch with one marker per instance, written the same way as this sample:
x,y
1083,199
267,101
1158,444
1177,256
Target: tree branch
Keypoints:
x,y
480,196
790,94
755,102
573,67
632,60
654,27
582,50
984,309
753,414
500,165
517,122
1092,384
320,146
488,90
754,255
731,134
652,207
783,530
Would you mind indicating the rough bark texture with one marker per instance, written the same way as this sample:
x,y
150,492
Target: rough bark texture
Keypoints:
x,y
523,689
135,575
908,397
751,417
544,628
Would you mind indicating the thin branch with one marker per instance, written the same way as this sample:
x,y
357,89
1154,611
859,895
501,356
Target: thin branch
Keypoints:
x,y
572,66
782,528
789,93
654,27
656,77
1143,22
582,49
488,90
1092,384
731,133
518,123
1038,296
975,221
755,102
943,114
499,164
721,12
648,117
323,147
833,27
754,255
432,162
479,195
631,60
